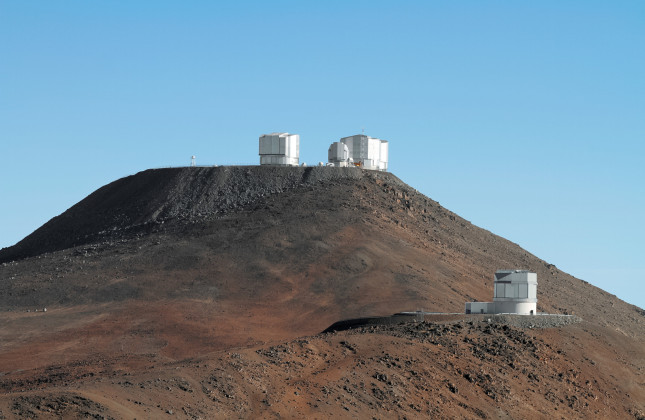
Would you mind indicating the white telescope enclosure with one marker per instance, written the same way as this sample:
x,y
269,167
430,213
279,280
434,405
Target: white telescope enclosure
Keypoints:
x,y
515,293
338,154
281,149
367,152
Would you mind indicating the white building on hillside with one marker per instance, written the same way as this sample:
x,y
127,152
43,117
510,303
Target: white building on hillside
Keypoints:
x,y
281,149
338,154
364,151
515,293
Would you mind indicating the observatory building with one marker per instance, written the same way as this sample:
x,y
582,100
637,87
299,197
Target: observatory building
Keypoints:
x,y
360,150
281,149
338,154
515,293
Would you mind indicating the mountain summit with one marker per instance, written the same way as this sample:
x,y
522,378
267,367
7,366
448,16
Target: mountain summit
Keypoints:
x,y
178,267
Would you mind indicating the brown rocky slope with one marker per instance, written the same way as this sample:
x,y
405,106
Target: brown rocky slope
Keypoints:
x,y
192,277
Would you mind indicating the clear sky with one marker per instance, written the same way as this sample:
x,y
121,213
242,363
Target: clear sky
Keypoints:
x,y
526,118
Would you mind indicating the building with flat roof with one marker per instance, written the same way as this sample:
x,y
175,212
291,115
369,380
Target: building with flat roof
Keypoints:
x,y
364,151
515,292
280,149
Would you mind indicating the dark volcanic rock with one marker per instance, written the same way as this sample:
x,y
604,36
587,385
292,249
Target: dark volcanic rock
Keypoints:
x,y
144,201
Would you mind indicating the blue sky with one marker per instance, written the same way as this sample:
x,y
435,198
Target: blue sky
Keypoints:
x,y
526,118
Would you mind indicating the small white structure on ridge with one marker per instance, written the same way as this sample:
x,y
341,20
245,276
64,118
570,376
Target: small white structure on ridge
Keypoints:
x,y
515,293
281,149
338,154
363,151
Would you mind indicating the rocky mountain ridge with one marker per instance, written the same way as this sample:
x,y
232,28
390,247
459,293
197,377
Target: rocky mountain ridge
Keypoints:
x,y
156,280
141,202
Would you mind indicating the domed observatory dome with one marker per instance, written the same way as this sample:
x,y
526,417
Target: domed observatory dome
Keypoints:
x,y
338,154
